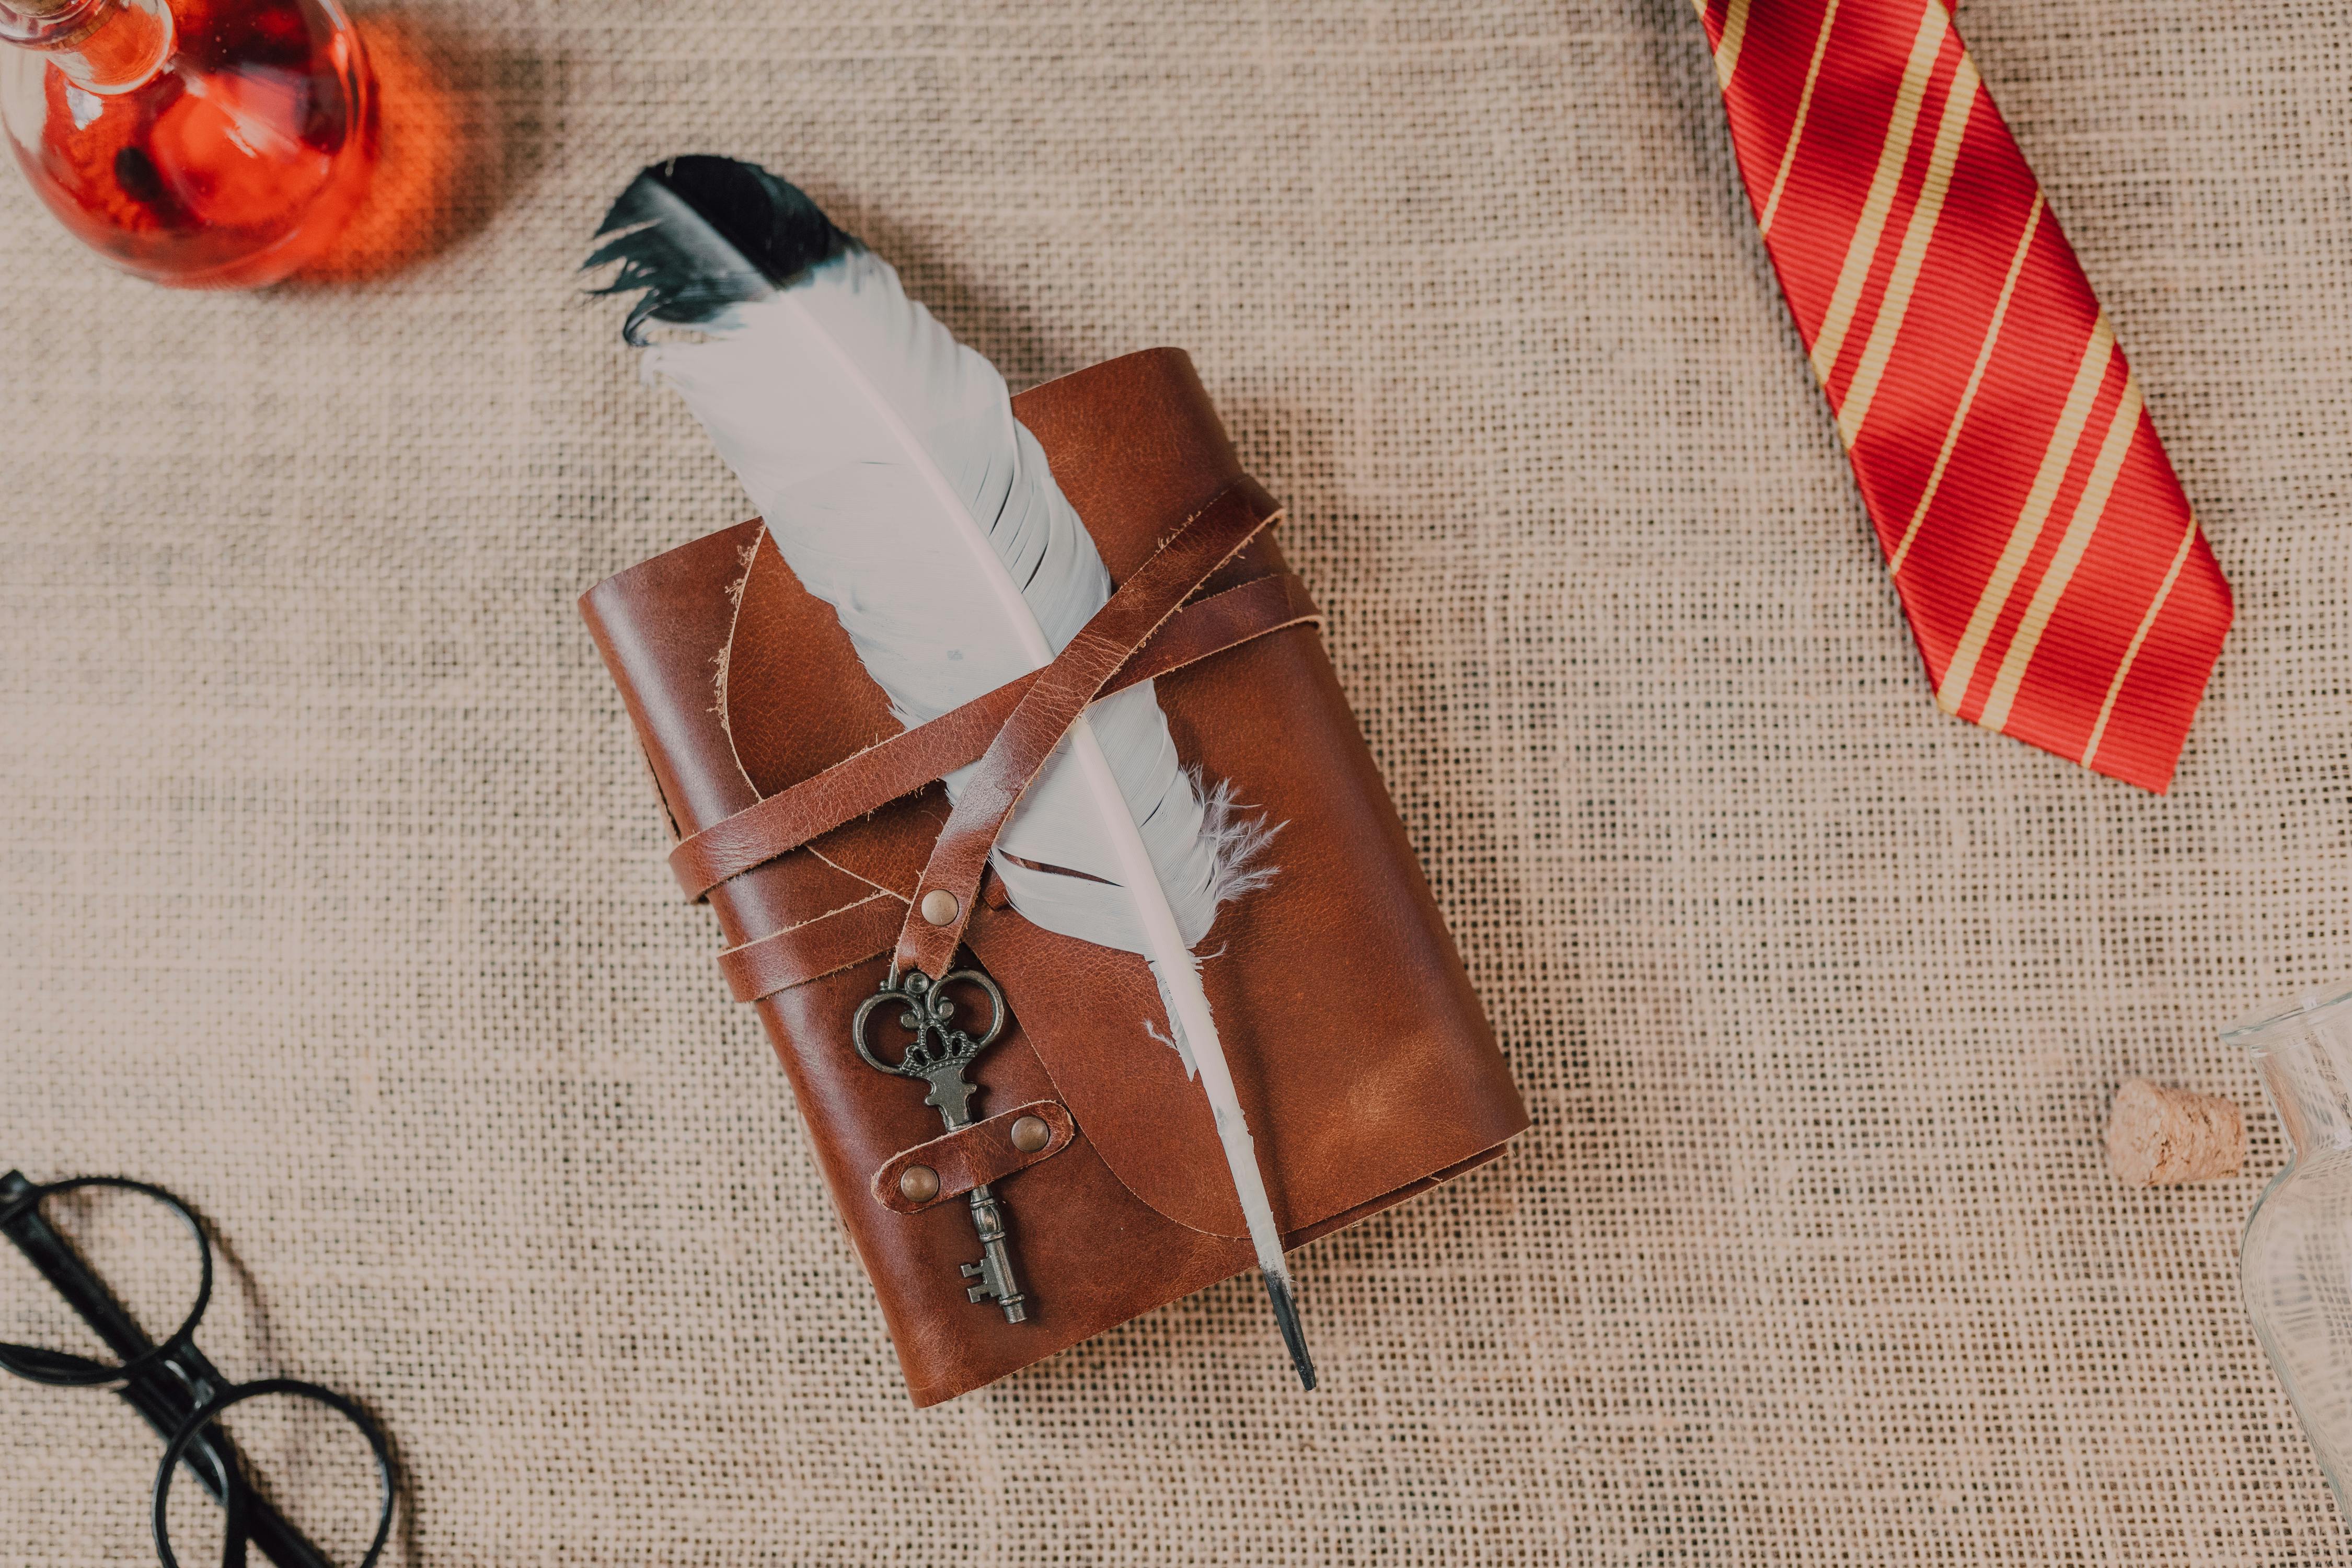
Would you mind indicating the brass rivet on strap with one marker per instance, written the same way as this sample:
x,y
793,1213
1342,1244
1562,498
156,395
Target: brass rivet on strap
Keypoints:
x,y
940,907
1030,1133
919,1184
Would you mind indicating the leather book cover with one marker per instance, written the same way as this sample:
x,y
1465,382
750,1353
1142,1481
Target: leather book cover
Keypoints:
x,y
1362,1057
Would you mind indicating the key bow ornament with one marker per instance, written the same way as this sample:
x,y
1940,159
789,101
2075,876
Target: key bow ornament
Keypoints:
x,y
937,1051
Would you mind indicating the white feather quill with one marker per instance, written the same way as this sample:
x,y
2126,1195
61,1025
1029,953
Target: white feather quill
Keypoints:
x,y
900,490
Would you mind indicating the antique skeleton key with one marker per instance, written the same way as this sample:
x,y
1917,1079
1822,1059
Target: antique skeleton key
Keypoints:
x,y
937,1052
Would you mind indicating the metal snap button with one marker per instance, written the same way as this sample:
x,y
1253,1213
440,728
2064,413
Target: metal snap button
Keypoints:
x,y
1030,1133
919,1184
940,907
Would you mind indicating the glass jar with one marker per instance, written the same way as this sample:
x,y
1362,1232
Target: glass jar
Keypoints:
x,y
202,143
2296,1265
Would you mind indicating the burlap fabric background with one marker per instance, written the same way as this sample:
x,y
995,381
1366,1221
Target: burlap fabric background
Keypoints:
x,y
330,890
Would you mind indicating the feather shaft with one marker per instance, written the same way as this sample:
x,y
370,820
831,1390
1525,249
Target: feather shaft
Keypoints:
x,y
1179,978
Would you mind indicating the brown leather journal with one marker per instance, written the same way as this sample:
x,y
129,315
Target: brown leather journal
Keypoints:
x,y
814,826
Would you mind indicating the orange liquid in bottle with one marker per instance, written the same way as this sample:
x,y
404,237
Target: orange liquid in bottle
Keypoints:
x,y
234,164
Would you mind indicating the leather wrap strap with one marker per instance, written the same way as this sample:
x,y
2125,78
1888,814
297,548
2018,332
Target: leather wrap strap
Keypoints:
x,y
1146,629
907,761
972,1156
814,949
1053,704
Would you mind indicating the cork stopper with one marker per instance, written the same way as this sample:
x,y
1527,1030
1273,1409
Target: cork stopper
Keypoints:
x,y
2160,1137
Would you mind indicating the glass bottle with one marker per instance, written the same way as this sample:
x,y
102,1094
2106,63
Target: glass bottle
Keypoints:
x,y
2295,1264
202,144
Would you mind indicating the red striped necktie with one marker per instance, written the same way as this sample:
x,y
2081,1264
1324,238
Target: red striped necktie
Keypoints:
x,y
2052,570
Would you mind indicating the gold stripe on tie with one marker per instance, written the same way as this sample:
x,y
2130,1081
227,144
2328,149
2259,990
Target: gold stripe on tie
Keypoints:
x,y
1726,53
1894,151
2131,652
1796,126
1969,392
2026,532
1916,237
2080,528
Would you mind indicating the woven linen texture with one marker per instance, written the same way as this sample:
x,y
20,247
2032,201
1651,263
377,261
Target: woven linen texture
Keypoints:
x,y
331,892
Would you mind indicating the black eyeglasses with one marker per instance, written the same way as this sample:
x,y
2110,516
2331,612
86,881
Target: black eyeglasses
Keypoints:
x,y
169,1382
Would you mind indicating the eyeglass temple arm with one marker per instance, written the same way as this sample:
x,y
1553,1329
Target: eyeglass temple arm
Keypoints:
x,y
62,1266
162,1400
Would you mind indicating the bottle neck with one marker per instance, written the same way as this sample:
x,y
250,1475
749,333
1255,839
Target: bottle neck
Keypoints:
x,y
101,46
2305,1061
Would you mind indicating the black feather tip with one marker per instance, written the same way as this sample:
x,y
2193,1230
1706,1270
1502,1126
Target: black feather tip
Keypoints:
x,y
695,235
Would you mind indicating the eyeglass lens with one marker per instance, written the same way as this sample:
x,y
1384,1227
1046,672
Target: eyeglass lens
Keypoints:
x,y
147,1254
303,1456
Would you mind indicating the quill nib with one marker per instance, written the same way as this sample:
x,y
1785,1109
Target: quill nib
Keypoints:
x,y
1286,1313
